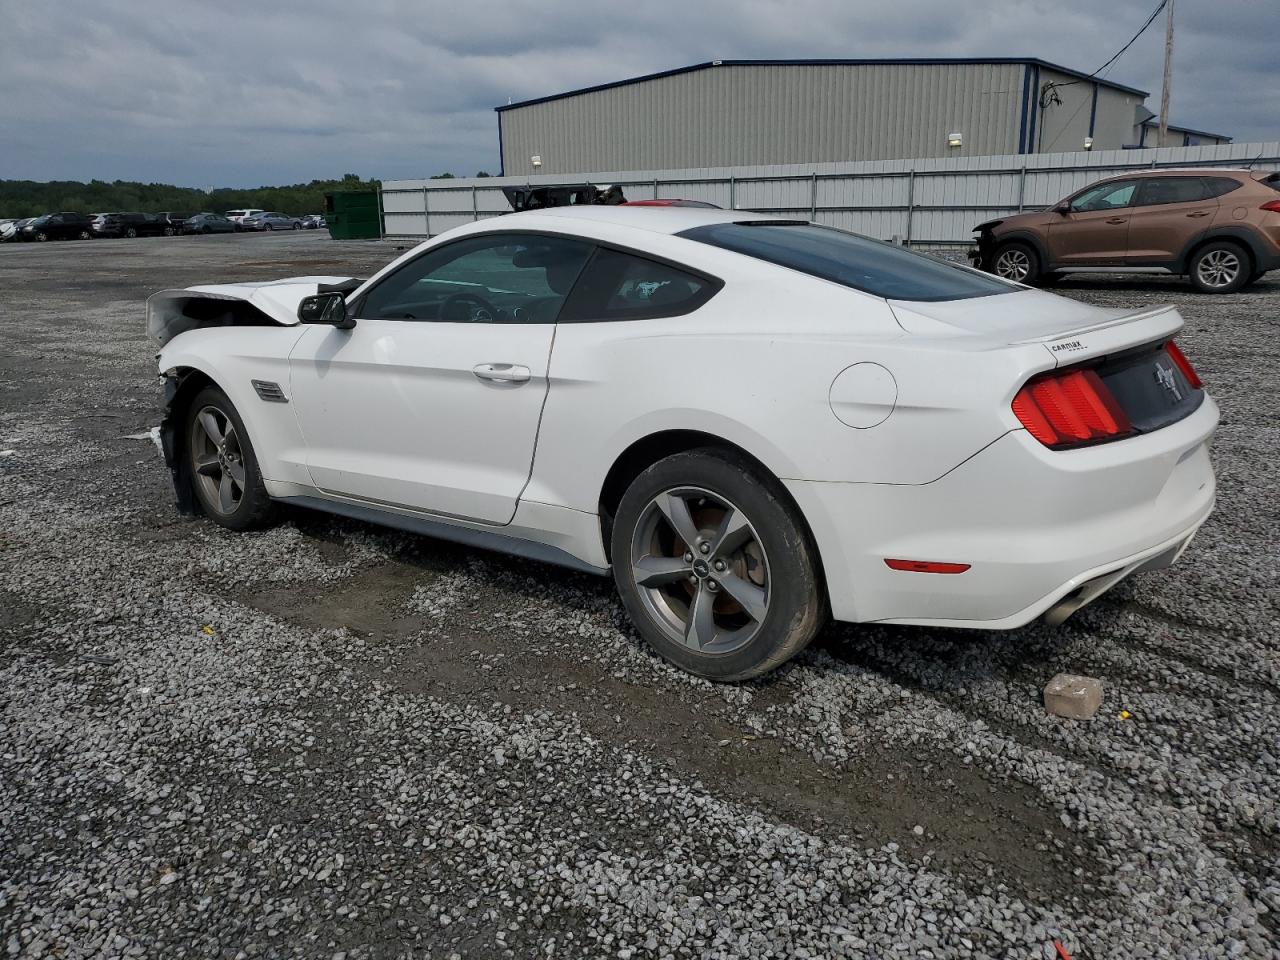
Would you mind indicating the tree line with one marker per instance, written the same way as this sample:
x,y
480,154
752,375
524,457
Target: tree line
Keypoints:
x,y
30,198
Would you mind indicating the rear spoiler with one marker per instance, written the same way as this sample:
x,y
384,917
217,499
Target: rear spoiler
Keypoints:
x,y
563,195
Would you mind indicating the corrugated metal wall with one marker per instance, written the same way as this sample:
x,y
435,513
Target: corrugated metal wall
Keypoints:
x,y
738,113
927,201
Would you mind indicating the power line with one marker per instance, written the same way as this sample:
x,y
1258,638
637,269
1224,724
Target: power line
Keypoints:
x,y
1048,96
1150,20
1048,87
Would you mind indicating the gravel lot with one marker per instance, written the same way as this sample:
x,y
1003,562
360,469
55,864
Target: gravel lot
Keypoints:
x,y
333,740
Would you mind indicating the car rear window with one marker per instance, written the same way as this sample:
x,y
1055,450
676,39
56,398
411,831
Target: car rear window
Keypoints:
x,y
622,286
1160,190
854,261
1219,186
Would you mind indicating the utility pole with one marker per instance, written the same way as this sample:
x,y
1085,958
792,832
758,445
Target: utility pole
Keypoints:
x,y
1168,74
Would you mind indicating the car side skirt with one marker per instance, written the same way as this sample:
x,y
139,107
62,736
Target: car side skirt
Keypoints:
x,y
496,540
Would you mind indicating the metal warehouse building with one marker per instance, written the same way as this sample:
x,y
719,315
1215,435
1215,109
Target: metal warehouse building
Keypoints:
x,y
736,112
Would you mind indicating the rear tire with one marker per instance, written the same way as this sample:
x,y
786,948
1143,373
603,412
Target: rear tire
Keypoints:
x,y
1018,262
740,599
221,465
169,231
1220,267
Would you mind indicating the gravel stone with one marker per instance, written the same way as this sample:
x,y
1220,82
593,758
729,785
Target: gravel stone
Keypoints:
x,y
330,739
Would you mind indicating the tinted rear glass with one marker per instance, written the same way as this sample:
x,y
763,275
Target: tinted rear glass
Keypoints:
x,y
861,263
1218,186
1158,190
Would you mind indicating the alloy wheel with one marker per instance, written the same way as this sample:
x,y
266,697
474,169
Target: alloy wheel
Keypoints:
x,y
1013,264
701,570
1219,268
217,461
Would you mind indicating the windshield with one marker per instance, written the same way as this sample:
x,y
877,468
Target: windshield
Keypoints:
x,y
872,266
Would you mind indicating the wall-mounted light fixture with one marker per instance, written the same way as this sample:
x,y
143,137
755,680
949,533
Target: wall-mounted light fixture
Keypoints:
x,y
1088,143
954,140
536,161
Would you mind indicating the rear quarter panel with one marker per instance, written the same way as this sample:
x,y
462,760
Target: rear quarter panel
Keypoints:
x,y
755,366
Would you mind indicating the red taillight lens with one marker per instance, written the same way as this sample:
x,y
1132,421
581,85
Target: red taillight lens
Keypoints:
x,y
1272,205
1183,364
1065,409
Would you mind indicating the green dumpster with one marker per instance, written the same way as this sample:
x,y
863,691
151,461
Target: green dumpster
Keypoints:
x,y
353,215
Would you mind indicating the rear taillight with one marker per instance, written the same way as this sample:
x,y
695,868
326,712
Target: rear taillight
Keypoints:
x,y
1272,205
1070,408
1183,364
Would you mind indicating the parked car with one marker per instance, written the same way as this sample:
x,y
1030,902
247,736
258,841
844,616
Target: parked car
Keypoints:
x,y
58,226
16,228
1220,228
173,222
314,221
749,420
208,223
128,225
270,221
8,230
236,216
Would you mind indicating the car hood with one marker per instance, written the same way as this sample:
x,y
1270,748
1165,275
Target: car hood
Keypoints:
x,y
1069,329
277,300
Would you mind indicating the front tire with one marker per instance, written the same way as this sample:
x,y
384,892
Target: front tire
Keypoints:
x,y
1017,262
715,566
1220,267
221,465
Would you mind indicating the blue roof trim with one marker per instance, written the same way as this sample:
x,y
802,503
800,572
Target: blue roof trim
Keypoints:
x,y
1153,122
902,61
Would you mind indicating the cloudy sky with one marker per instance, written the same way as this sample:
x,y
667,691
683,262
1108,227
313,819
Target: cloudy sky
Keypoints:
x,y
244,93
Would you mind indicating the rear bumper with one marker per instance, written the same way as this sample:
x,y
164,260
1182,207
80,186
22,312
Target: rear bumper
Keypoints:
x,y
1035,526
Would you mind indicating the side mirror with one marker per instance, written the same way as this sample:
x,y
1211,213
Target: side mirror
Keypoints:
x,y
330,308
1063,208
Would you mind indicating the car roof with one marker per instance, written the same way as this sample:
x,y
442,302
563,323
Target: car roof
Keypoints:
x,y
668,220
1180,172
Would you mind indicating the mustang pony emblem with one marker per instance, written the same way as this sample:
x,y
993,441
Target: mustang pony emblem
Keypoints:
x,y
1164,377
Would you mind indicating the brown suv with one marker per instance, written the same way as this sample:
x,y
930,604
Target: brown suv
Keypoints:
x,y
1221,228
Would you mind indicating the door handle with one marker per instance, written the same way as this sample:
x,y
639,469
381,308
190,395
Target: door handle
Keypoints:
x,y
1199,213
1117,219
501,372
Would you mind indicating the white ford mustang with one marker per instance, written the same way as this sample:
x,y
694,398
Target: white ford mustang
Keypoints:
x,y
753,422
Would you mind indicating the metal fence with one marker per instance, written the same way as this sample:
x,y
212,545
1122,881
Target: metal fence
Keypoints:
x,y
931,202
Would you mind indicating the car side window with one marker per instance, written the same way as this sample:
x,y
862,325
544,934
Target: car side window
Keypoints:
x,y
494,278
623,286
1105,196
1219,186
1160,190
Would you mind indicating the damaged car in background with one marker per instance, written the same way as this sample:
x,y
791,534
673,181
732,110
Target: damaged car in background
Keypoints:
x,y
751,423
1218,228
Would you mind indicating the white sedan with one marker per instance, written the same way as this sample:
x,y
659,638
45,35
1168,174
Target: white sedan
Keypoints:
x,y
753,423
